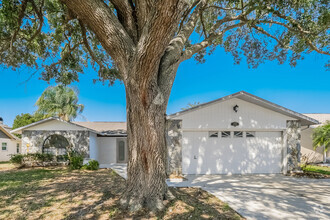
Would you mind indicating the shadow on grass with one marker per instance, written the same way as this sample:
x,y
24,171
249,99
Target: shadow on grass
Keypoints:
x,y
64,194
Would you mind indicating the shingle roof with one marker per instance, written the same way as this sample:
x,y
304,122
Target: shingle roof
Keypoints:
x,y
6,130
106,128
322,118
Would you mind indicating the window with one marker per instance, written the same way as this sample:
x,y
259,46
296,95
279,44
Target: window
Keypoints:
x,y
17,148
225,134
4,146
238,134
55,144
213,134
121,149
250,134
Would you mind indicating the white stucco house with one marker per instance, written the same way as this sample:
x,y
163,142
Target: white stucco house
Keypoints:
x,y
237,134
9,143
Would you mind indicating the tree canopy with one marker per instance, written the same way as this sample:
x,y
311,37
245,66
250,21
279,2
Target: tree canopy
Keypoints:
x,y
59,101
50,36
26,119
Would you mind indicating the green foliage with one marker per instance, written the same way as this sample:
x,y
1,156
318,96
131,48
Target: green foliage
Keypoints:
x,y
45,35
321,136
76,162
62,158
317,169
40,157
36,158
59,101
16,159
26,119
91,165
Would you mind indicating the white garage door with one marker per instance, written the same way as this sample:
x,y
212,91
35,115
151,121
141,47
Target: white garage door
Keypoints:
x,y
202,154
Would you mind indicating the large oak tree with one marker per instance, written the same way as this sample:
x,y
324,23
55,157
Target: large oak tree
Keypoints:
x,y
142,43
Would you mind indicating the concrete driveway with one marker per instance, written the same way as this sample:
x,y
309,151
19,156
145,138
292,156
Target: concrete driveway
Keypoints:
x,y
263,196
268,196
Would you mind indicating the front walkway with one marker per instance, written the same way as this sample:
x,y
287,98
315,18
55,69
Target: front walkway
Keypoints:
x,y
120,168
263,196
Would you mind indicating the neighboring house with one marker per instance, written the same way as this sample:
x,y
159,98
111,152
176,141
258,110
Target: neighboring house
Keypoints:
x,y
307,149
237,134
9,143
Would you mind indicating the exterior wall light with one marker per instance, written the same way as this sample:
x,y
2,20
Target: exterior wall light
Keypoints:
x,y
235,108
235,124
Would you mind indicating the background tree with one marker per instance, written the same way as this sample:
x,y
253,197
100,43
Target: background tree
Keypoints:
x,y
143,42
25,119
59,101
321,137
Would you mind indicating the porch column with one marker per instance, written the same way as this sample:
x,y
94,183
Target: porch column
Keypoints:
x,y
292,146
174,146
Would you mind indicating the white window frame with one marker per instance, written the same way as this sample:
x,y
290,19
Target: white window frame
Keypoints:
x,y
213,134
4,144
251,132
228,136
238,136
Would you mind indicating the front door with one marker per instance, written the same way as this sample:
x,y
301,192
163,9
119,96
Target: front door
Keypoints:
x,y
121,151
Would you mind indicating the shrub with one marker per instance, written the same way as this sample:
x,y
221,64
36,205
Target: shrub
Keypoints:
x,y
91,165
62,158
17,159
43,157
76,162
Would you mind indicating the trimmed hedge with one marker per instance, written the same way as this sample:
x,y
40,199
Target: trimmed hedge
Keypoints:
x,y
38,159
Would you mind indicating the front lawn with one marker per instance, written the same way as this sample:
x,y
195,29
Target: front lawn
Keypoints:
x,y
6,166
58,193
317,169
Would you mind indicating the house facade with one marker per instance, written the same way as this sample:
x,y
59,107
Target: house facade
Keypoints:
x,y
101,141
237,134
9,143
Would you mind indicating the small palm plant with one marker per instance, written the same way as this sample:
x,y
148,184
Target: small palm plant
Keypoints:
x,y
59,101
321,136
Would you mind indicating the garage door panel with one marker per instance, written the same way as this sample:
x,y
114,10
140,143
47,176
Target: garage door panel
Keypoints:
x,y
204,155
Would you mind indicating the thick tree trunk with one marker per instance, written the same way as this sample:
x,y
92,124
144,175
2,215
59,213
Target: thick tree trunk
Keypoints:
x,y
146,118
141,45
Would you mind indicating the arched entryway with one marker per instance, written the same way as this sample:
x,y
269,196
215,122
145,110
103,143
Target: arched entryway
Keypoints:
x,y
55,144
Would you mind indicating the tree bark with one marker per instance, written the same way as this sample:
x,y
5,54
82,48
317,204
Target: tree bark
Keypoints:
x,y
147,60
146,118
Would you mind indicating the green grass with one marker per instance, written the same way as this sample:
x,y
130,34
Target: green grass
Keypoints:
x,y
4,162
317,169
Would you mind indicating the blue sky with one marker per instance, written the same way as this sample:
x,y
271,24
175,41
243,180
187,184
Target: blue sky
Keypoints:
x,y
305,88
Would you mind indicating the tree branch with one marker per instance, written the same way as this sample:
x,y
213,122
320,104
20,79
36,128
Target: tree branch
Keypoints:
x,y
89,49
110,32
126,15
189,52
261,30
41,19
19,23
